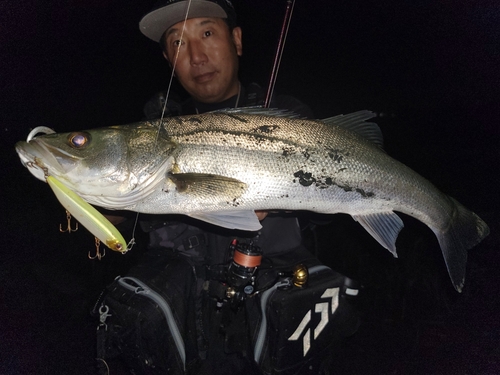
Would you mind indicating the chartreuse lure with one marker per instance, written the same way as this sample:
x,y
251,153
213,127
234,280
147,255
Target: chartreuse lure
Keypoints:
x,y
88,216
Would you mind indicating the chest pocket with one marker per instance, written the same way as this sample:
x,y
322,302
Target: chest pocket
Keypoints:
x,y
186,239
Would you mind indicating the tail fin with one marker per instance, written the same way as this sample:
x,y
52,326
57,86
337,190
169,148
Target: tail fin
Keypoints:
x,y
465,230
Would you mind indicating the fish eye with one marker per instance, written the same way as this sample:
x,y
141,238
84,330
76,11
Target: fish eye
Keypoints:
x,y
78,140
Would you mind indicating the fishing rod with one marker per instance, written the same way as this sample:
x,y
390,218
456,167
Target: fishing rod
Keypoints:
x,y
279,51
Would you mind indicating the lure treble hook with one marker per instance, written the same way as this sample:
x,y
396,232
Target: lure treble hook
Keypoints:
x,y
98,253
68,225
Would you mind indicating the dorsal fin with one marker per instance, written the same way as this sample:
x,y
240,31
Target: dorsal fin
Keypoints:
x,y
258,110
355,122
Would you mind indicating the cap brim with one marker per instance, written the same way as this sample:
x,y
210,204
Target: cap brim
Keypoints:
x,y
155,23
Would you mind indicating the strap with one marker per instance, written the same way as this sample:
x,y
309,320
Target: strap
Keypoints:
x,y
101,351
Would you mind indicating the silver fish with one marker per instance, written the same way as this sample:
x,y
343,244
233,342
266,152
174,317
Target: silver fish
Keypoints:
x,y
221,166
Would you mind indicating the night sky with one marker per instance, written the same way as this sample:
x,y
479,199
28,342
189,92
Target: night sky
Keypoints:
x,y
72,64
431,69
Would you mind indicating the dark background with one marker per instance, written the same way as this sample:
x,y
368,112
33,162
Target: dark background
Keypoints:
x,y
430,69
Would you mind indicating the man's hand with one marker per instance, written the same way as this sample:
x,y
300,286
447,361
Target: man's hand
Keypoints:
x,y
261,215
115,219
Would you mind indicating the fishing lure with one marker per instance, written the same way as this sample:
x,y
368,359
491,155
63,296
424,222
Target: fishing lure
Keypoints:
x,y
88,216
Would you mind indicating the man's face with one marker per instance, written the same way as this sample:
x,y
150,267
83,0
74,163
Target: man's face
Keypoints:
x,y
206,59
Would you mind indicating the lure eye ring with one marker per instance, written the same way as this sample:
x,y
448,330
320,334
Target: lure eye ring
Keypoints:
x,y
79,140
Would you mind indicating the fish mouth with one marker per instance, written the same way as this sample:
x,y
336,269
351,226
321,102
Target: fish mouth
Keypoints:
x,y
42,159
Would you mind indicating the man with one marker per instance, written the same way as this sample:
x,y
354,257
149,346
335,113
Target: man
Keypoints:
x,y
206,64
226,326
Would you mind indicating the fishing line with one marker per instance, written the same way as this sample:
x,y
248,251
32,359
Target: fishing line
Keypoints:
x,y
132,242
167,94
172,75
279,51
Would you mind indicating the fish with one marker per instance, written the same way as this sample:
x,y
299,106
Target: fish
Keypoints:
x,y
220,167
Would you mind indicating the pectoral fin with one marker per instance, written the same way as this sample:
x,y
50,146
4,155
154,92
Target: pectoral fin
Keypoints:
x,y
208,185
241,220
383,226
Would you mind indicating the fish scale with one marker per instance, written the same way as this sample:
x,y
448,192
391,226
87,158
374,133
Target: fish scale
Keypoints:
x,y
302,154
